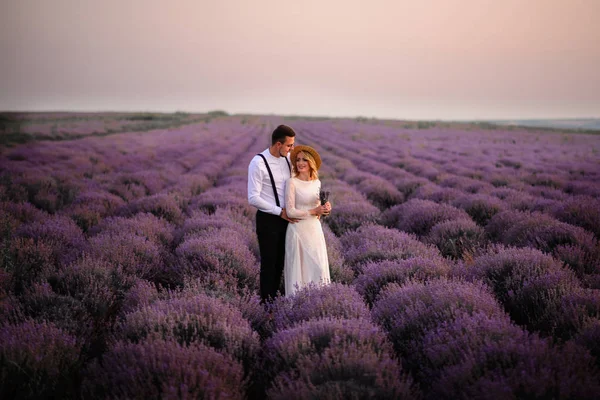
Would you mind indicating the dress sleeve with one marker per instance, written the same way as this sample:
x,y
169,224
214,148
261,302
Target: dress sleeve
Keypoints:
x,y
290,202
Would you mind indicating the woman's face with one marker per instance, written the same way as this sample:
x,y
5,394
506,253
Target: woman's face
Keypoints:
x,y
302,163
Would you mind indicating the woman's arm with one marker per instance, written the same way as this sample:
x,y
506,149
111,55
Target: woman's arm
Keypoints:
x,y
290,202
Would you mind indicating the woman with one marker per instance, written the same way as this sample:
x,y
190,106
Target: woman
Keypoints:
x,y
305,252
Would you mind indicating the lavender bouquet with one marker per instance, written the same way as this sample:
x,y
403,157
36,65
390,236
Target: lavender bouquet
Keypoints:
x,y
324,197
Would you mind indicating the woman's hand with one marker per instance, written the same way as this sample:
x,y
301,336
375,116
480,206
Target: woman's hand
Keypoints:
x,y
319,210
327,208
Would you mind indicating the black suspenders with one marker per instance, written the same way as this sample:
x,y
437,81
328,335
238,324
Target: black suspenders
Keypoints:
x,y
271,176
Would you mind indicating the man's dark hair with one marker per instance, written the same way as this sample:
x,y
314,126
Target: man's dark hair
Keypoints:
x,y
280,133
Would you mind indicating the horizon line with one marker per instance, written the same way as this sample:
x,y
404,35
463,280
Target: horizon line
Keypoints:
x,y
478,119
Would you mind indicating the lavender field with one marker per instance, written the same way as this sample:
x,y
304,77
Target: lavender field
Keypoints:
x,y
465,262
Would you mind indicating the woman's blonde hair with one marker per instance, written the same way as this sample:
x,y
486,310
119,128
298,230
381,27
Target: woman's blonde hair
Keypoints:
x,y
312,165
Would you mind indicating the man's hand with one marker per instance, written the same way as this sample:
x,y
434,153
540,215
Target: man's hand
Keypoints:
x,y
285,216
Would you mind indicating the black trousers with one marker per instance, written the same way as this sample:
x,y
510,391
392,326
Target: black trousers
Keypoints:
x,y
270,230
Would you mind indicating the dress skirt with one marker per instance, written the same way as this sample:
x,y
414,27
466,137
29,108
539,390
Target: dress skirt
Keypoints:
x,y
305,255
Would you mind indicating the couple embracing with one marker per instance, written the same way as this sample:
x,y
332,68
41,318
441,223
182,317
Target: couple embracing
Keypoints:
x,y
286,193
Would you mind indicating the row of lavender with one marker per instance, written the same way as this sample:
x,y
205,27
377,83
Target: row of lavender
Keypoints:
x,y
18,127
142,272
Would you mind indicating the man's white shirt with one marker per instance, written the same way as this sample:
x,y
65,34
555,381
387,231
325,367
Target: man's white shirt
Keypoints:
x,y
260,190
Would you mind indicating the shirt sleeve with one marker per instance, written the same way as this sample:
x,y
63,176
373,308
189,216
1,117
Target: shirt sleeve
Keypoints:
x,y
290,202
255,187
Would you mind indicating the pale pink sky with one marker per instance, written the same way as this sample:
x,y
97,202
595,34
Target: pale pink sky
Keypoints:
x,y
446,59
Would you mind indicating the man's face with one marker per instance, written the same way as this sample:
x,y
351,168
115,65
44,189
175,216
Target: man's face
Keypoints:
x,y
287,146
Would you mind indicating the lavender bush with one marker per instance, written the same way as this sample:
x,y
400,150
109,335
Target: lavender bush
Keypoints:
x,y
50,193
90,207
578,310
41,303
338,268
583,211
378,190
346,217
530,284
419,216
377,275
200,319
306,355
371,243
230,218
313,302
162,205
572,244
142,293
482,357
410,311
136,254
156,230
166,370
21,212
589,337
37,360
230,196
480,207
457,239
222,254
345,371
60,233
26,262
97,287
436,193
248,302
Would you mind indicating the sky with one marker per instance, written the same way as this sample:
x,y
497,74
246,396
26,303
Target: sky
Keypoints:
x,y
427,59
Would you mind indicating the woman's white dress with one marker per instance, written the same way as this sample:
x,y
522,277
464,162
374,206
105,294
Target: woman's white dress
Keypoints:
x,y
305,251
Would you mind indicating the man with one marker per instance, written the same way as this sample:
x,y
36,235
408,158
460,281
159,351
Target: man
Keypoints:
x,y
267,174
